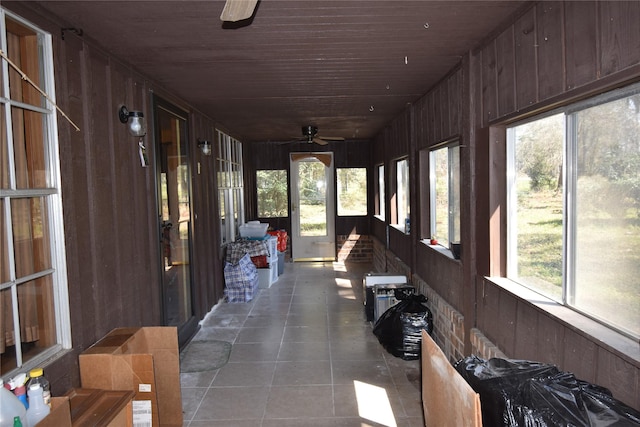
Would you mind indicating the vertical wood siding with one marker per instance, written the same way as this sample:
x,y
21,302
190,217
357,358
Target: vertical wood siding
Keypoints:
x,y
109,204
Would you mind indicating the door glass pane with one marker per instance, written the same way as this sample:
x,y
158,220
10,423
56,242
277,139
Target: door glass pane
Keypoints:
x,y
607,212
312,188
174,187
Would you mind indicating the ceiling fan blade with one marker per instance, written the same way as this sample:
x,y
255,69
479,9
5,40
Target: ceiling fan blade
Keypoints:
x,y
332,138
320,141
237,10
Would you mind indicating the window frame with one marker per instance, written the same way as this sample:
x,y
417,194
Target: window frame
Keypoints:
x,y
569,183
453,225
50,194
379,188
403,184
230,185
338,195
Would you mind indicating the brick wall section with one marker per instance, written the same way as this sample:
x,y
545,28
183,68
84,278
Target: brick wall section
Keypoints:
x,y
448,323
395,265
379,256
482,347
355,248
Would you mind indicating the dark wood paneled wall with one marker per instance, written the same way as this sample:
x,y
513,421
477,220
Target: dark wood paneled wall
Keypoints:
x,y
551,54
557,51
109,200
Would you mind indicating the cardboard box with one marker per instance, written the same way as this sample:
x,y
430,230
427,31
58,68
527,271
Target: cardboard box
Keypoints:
x,y
100,408
447,399
144,360
60,415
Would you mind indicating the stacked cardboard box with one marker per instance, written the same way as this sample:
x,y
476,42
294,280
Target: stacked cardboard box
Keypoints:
x,y
144,360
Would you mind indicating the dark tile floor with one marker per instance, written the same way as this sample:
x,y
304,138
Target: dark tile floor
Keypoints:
x,y
302,354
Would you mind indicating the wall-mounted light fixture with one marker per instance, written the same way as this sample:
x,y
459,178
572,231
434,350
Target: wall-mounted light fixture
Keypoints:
x,y
205,146
135,119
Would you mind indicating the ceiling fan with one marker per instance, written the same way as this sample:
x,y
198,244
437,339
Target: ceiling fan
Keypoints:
x,y
310,134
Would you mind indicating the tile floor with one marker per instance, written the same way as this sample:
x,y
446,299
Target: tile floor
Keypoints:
x,y
302,354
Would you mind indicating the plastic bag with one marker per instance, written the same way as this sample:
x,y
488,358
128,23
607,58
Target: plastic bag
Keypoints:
x,y
524,393
399,329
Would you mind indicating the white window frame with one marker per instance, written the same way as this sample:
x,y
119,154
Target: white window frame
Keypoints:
x,y
52,195
339,192
381,215
403,192
569,201
229,152
453,151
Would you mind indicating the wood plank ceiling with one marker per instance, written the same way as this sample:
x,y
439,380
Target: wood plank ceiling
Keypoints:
x,y
347,66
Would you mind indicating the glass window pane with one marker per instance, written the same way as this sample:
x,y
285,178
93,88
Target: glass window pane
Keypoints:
x,y
402,180
30,236
37,321
381,193
29,152
272,190
4,155
537,224
454,190
607,211
4,248
24,50
440,198
352,191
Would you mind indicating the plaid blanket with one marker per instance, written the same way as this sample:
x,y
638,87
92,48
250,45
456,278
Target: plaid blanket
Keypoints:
x,y
239,248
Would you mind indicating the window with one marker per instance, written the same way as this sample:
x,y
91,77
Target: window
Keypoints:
x,y
34,314
272,191
380,203
574,207
230,186
402,192
352,191
444,194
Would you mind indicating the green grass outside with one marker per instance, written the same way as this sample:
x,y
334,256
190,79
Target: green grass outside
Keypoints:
x,y
608,254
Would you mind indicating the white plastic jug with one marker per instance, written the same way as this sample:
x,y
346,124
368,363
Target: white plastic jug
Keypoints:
x,y
37,408
10,407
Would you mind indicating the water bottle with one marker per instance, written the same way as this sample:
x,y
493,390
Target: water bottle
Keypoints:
x,y
37,377
37,408
10,407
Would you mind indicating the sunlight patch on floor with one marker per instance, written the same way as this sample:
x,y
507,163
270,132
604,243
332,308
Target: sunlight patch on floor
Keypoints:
x,y
373,404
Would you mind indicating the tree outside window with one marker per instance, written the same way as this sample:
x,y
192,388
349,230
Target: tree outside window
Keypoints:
x,y
352,191
574,207
272,188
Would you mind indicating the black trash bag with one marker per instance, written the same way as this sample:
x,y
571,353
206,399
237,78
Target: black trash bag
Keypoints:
x,y
523,393
399,329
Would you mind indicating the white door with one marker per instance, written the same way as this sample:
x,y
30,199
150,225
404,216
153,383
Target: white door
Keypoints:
x,y
312,207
